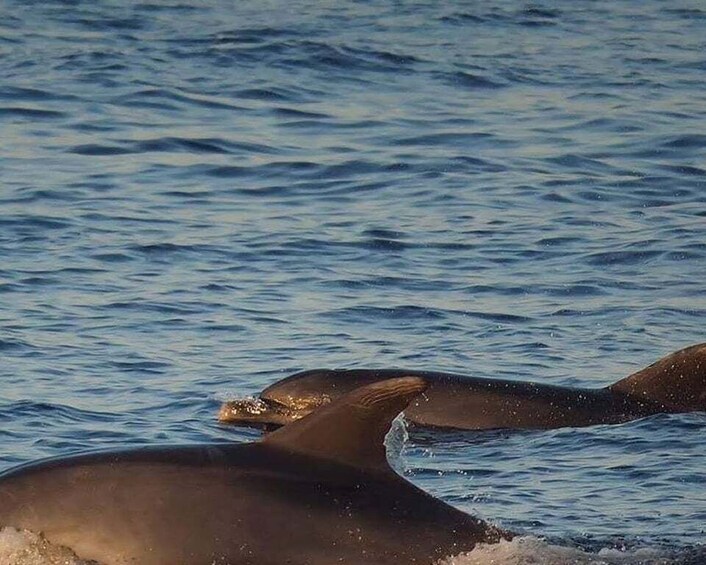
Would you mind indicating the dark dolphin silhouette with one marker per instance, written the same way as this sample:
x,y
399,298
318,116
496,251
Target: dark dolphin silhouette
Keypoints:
x,y
317,492
675,383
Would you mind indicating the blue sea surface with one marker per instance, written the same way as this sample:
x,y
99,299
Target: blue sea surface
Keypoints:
x,y
199,198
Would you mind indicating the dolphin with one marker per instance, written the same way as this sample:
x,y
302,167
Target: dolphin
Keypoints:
x,y
316,492
675,383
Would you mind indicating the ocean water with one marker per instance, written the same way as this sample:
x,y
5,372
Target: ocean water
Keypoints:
x,y
199,198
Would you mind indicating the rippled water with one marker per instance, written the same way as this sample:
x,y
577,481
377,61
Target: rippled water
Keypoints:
x,y
199,198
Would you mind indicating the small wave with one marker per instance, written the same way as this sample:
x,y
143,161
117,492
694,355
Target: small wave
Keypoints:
x,y
95,22
57,413
269,94
172,99
10,344
474,164
285,112
622,257
156,367
687,13
112,257
469,80
542,13
531,16
33,113
166,248
385,244
462,18
98,150
139,306
325,56
528,550
38,195
178,144
685,170
36,94
253,35
399,313
576,290
689,141
580,163
498,317
38,222
461,139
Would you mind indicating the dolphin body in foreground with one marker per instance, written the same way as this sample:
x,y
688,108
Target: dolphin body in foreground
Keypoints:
x,y
675,383
317,492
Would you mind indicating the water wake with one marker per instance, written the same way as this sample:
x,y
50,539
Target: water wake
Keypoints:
x,y
22,547
529,550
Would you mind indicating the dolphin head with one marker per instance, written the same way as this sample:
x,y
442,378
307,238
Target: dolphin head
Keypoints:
x,y
293,397
259,413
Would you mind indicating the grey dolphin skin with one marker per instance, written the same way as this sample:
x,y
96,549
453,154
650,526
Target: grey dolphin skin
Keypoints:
x,y
317,492
675,383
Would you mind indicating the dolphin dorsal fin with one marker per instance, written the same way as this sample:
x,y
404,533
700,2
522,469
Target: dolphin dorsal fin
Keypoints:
x,y
677,381
352,429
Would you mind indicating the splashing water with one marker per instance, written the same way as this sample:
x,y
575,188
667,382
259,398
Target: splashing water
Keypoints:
x,y
395,441
22,547
529,550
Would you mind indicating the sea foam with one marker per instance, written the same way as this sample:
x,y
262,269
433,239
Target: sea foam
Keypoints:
x,y
530,550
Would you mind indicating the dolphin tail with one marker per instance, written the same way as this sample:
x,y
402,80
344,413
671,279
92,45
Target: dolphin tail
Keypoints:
x,y
352,429
677,381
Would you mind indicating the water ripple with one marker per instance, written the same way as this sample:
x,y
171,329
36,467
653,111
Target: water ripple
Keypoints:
x,y
199,200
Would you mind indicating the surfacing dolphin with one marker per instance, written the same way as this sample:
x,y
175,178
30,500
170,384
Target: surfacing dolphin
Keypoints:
x,y
675,383
317,492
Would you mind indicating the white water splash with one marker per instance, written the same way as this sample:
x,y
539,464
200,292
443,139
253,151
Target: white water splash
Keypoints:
x,y
528,550
22,547
395,441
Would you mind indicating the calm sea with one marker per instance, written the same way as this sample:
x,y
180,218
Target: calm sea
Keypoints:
x,y
198,198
